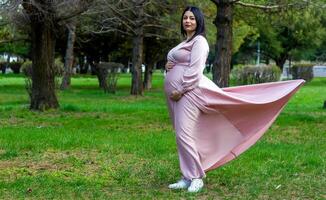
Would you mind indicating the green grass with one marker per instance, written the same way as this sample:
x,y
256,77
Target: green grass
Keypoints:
x,y
105,146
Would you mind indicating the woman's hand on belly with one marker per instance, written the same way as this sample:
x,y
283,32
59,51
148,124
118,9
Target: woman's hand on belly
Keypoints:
x,y
175,95
169,65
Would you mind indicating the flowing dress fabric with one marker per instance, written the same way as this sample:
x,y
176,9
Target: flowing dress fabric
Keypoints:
x,y
215,125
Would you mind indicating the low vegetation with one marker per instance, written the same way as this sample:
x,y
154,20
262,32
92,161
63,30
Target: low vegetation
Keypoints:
x,y
116,146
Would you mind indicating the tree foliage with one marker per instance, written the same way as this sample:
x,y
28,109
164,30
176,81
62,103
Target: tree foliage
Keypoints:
x,y
42,20
13,41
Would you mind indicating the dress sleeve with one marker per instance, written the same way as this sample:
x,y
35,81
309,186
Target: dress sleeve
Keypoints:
x,y
198,56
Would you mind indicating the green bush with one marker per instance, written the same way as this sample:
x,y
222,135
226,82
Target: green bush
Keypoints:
x,y
108,74
249,74
303,71
3,66
58,67
15,66
28,70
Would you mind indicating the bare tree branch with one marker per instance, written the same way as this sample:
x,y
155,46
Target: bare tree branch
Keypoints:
x,y
102,31
115,11
4,24
13,40
80,7
271,7
234,1
158,36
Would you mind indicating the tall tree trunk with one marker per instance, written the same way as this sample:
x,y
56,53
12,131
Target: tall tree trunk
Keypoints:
x,y
137,57
222,62
69,58
137,54
43,95
148,75
280,61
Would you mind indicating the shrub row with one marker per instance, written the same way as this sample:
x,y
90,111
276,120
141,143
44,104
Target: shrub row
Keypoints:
x,y
108,74
302,71
27,69
249,74
14,66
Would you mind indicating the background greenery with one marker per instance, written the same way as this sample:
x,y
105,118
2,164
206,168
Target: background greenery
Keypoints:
x,y
104,146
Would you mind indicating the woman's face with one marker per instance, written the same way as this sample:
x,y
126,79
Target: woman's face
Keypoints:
x,y
189,22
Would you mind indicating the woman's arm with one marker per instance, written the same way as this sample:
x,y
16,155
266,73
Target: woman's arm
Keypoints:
x,y
198,56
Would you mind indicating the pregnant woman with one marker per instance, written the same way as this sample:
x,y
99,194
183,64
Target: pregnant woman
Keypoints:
x,y
213,125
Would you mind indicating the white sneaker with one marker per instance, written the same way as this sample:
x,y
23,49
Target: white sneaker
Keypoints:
x,y
182,184
196,185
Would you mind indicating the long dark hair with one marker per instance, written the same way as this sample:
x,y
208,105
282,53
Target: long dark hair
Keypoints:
x,y
199,17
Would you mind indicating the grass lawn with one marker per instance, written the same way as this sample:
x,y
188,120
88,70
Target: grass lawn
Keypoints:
x,y
116,146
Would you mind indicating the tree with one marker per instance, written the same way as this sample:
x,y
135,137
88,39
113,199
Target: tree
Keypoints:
x,y
155,50
137,43
136,19
290,36
224,22
69,56
44,18
13,42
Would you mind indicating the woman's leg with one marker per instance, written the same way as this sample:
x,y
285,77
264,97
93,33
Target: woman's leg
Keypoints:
x,y
185,120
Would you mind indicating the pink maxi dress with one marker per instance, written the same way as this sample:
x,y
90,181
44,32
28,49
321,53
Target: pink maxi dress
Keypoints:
x,y
215,125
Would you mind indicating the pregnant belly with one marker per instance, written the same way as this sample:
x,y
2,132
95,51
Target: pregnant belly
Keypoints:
x,y
173,79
